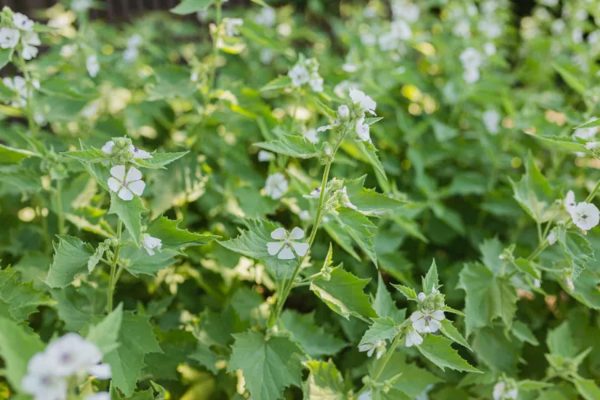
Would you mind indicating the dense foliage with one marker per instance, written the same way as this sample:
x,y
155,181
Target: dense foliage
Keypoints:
x,y
247,201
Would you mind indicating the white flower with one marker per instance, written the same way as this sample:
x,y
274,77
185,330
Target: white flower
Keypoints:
x,y
18,84
264,156
365,395
22,22
362,130
92,65
462,28
232,26
585,133
299,75
72,354
311,135
287,246
139,153
421,296
364,102
406,10
40,380
9,38
413,338
316,83
491,120
266,17
470,58
592,145
343,112
427,321
471,75
126,183
503,392
377,347
569,201
130,54
489,49
276,185
99,396
151,243
585,215
68,50
29,41
304,215
491,29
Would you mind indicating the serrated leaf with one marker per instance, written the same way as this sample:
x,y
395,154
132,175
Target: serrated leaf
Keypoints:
x,y
171,235
130,212
587,388
105,334
313,339
191,6
136,339
17,346
290,145
430,281
70,258
18,299
278,83
343,293
571,80
359,228
324,381
158,160
440,352
450,331
384,305
487,297
408,292
382,329
534,194
11,155
138,261
97,256
269,365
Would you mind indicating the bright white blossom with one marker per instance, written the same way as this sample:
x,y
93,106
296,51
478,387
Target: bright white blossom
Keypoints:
x,y
22,22
311,135
413,338
299,75
491,120
151,244
126,183
425,321
362,130
585,215
30,41
18,84
266,17
343,112
503,392
306,72
9,38
92,65
50,372
365,103
377,348
276,185
265,156
287,245
132,50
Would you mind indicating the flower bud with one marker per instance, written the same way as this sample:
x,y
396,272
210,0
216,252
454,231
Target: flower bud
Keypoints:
x,y
343,112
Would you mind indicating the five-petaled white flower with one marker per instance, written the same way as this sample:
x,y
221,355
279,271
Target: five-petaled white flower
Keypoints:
x,y
22,22
287,245
363,130
276,185
363,101
427,321
413,338
126,183
299,75
585,215
151,244
503,392
377,347
9,38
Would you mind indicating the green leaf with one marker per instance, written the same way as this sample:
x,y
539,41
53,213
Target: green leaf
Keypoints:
x,y
384,305
370,202
18,299
140,262
587,388
70,258
5,57
407,381
98,254
384,329
168,231
313,339
324,381
487,297
450,331
191,6
158,160
534,194
278,83
136,339
408,292
523,333
269,365
291,145
105,334
343,293
566,144
17,346
430,281
10,155
130,212
592,123
359,228
439,351
571,79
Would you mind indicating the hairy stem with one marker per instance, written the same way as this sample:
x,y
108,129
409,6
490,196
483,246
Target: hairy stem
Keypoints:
x,y
115,270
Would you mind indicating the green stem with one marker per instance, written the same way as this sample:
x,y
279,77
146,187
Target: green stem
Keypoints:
x,y
388,355
115,270
215,49
59,207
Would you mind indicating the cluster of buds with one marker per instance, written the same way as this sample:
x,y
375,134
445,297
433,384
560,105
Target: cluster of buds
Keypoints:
x,y
427,318
306,72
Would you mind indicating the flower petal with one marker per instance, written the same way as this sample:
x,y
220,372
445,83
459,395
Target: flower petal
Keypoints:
x,y
133,174
114,184
125,194
278,234
300,248
296,233
286,253
118,171
274,247
137,187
